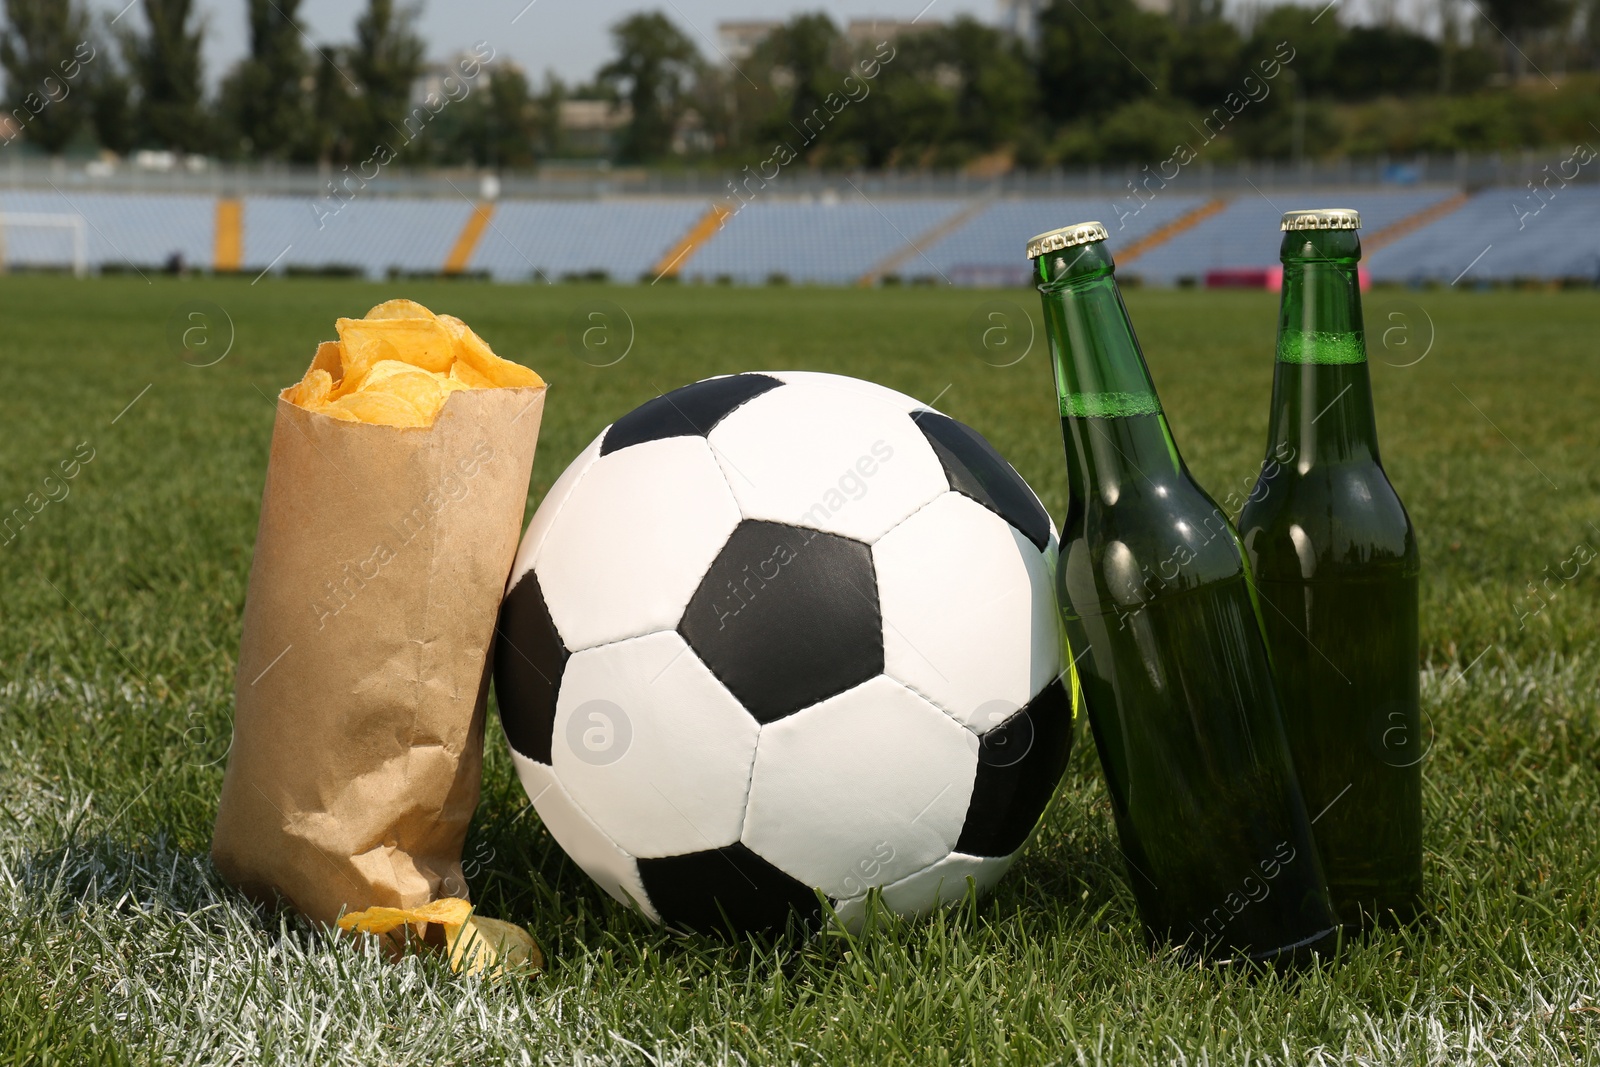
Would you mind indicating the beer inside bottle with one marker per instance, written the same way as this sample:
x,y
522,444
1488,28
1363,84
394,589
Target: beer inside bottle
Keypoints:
x,y
1158,605
1335,559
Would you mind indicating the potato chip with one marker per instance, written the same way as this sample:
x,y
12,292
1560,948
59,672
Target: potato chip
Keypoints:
x,y
464,375
400,309
399,365
376,920
388,368
494,947
330,358
471,350
416,387
449,911
478,945
420,342
312,390
383,409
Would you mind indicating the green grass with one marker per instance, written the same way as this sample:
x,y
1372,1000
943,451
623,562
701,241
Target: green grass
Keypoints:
x,y
121,607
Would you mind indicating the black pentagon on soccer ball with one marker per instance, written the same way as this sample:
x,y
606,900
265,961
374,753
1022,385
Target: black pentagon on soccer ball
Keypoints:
x,y
786,616
974,469
692,411
1020,763
720,888
528,660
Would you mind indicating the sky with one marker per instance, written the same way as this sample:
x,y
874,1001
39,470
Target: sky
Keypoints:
x,y
570,37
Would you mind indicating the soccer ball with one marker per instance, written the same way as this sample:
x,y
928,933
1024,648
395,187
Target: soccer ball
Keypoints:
x,y
778,633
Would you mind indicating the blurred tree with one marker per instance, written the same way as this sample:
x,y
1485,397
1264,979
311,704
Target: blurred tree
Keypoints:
x,y
514,118
1519,16
657,64
1208,62
384,63
1096,55
766,98
1449,42
334,111
166,68
1588,37
1148,130
111,104
909,111
1375,60
264,98
1198,12
496,126
1485,123
1315,44
806,51
995,97
1516,20
549,102
42,41
949,93
1299,128
1108,81
714,98
1463,65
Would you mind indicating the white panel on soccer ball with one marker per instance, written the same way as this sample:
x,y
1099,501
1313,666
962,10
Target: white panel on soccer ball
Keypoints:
x,y
828,459
611,867
969,615
901,401
860,789
549,508
636,535
652,746
943,882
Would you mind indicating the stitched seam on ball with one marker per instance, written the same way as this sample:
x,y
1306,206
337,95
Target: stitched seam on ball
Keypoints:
x,y
934,701
917,510
598,829
749,783
913,874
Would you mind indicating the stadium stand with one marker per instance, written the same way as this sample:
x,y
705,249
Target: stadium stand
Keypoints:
x,y
1502,235
548,240
123,229
1417,235
823,242
371,237
1245,234
990,248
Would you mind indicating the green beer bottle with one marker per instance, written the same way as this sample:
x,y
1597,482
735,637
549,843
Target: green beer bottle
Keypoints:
x,y
1336,563
1158,607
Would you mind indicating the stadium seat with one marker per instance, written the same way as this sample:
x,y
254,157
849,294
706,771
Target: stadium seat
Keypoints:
x,y
821,241
122,229
370,236
1246,233
529,240
1502,235
990,248
1495,235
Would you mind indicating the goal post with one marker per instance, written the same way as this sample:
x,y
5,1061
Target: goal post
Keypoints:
x,y
73,225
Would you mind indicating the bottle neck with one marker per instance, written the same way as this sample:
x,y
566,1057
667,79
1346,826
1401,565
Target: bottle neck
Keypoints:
x,y
1115,434
1322,392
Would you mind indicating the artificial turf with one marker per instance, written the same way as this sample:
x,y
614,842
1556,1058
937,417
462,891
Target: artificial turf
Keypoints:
x,y
120,622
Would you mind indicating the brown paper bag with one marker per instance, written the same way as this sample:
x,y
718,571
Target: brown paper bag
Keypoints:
x,y
380,562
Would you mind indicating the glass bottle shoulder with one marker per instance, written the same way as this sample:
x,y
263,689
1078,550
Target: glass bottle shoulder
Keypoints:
x,y
1338,520
1157,537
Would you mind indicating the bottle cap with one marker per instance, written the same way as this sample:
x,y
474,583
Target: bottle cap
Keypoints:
x,y
1324,218
1079,233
